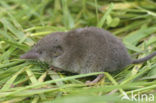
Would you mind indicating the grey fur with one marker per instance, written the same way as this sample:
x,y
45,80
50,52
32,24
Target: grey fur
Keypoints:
x,y
83,50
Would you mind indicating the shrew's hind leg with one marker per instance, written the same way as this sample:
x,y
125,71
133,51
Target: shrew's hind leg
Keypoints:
x,y
97,79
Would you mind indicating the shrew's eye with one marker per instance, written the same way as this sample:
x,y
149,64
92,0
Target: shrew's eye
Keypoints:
x,y
40,52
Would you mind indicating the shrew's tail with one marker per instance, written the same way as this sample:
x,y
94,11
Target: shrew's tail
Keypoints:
x,y
137,61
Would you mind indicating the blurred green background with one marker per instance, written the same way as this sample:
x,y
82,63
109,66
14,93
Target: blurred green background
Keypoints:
x,y
24,22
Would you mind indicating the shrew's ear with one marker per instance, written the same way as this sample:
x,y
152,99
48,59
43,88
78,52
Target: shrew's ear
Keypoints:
x,y
58,51
30,55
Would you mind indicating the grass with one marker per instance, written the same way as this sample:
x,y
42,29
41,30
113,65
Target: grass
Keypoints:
x,y
24,22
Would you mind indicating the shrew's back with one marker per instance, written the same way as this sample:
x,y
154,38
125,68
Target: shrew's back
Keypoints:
x,y
92,49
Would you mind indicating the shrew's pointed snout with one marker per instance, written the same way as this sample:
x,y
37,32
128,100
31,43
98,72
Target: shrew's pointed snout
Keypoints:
x,y
30,55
